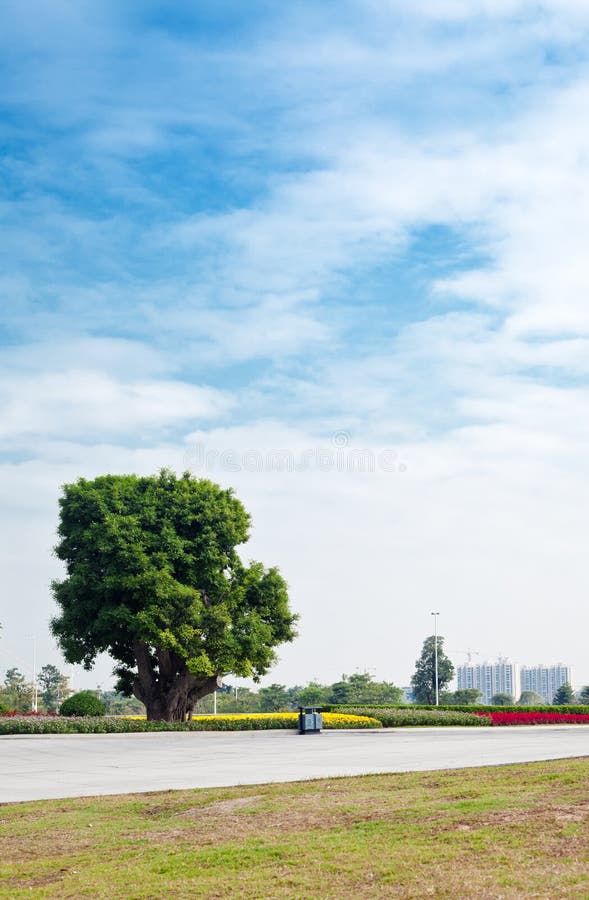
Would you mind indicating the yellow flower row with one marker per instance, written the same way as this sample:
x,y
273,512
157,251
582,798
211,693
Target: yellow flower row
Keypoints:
x,y
328,718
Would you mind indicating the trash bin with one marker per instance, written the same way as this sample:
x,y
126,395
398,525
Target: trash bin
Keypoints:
x,y
310,720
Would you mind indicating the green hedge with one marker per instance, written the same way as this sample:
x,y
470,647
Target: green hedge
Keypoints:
x,y
395,717
579,709
113,725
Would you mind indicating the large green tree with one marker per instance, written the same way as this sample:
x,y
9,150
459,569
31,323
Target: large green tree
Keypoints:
x,y
54,687
463,697
423,681
155,580
531,698
16,692
584,694
564,696
274,698
361,688
118,705
502,699
313,694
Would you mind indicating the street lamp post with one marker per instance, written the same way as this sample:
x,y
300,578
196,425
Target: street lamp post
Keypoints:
x,y
34,699
435,615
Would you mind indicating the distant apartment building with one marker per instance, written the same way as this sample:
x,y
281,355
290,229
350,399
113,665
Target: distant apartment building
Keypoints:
x,y
501,677
545,680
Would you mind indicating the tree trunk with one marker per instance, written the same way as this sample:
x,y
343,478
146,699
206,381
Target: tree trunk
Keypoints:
x,y
170,693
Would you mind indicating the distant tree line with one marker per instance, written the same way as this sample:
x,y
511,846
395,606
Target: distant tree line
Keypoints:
x,y
53,687
17,693
350,689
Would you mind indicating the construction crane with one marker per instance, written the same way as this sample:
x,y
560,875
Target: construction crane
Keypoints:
x,y
469,653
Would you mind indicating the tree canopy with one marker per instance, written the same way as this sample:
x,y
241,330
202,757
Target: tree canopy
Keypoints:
x,y
273,698
155,580
530,698
54,687
16,692
461,697
361,688
423,681
502,700
564,695
584,694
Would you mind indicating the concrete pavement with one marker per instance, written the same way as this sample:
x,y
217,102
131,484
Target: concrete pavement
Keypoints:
x,y
34,767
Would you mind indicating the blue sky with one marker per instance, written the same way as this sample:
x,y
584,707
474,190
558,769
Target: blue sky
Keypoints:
x,y
251,227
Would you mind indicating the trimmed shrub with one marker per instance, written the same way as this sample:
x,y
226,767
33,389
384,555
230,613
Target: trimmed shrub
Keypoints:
x,y
84,703
3,709
398,718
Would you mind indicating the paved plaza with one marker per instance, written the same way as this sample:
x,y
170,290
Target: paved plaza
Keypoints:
x,y
45,766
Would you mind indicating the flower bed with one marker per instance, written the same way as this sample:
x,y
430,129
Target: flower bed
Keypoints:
x,y
24,724
537,718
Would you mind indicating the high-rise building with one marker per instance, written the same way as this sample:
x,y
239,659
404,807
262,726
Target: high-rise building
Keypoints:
x,y
501,677
545,680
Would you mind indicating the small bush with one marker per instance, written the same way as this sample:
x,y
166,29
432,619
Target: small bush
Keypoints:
x,y
3,709
84,703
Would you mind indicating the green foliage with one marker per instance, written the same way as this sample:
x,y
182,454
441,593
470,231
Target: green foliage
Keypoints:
x,y
240,701
361,688
502,700
584,694
107,725
118,705
530,698
423,681
314,694
274,698
461,697
564,695
574,708
16,693
154,579
54,687
3,708
398,718
84,703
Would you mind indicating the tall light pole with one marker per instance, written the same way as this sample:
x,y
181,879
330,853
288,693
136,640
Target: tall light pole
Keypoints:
x,y
435,615
34,697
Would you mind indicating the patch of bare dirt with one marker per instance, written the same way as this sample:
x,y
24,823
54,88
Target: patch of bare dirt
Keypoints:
x,y
219,807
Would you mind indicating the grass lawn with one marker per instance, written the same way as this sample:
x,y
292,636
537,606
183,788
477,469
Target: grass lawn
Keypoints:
x,y
498,832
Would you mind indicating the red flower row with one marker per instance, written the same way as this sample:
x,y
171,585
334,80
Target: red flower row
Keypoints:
x,y
12,713
536,718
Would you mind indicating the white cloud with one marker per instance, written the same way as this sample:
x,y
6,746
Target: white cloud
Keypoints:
x,y
483,406
93,403
482,518
462,10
